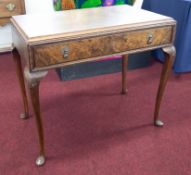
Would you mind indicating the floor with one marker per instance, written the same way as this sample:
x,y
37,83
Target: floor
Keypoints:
x,y
90,129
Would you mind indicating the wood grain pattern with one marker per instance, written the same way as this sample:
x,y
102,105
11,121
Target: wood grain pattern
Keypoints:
x,y
34,93
124,66
5,13
78,22
33,81
19,71
21,45
51,54
4,21
57,41
170,53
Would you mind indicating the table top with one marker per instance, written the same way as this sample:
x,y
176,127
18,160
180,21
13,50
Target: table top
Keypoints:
x,y
81,21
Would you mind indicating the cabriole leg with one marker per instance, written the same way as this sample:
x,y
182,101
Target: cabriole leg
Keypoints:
x,y
124,74
33,80
19,71
170,53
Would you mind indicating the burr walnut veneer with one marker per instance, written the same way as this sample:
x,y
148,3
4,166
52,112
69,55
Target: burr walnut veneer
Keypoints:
x,y
54,40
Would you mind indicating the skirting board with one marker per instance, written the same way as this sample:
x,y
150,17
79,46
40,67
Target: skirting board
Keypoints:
x,y
7,48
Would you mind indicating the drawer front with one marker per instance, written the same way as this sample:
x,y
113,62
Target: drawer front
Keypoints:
x,y
62,52
10,8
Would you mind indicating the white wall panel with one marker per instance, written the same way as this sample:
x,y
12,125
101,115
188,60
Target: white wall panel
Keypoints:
x,y
38,6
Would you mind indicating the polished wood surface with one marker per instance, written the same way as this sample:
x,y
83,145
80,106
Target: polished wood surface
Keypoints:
x,y
50,54
20,76
90,35
34,93
80,22
33,81
10,8
124,61
47,46
170,53
4,21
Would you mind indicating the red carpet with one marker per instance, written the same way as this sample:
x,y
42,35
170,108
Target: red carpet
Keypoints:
x,y
92,130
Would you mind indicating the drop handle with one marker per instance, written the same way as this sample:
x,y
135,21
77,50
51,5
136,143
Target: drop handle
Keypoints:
x,y
10,6
149,38
65,52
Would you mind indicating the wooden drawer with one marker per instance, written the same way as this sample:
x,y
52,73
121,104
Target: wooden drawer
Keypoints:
x,y
62,52
10,8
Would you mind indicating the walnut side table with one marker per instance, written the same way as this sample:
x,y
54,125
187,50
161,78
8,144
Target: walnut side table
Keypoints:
x,y
59,39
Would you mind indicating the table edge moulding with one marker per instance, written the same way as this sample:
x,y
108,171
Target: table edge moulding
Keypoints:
x,y
57,42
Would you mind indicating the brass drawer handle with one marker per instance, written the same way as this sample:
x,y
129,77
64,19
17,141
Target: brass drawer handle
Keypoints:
x,y
10,6
65,52
149,38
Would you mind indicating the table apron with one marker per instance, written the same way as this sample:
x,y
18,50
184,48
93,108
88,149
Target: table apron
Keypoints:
x,y
46,56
